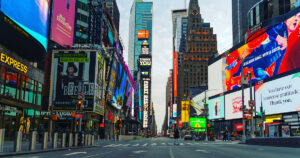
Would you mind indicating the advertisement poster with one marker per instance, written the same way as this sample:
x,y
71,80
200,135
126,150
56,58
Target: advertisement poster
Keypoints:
x,y
31,15
174,110
233,104
63,22
146,103
279,96
175,70
73,72
145,49
197,122
100,84
120,89
286,131
216,108
185,111
274,52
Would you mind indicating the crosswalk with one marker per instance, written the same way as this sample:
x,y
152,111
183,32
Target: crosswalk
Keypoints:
x,y
149,144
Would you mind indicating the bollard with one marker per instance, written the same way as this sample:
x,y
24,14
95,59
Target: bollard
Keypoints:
x,y
93,140
89,140
86,138
45,141
54,140
70,143
63,140
18,142
76,139
2,133
32,142
98,137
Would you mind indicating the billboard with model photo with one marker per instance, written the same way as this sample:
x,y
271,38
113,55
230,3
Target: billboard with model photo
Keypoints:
x,y
274,52
63,22
216,108
280,95
73,72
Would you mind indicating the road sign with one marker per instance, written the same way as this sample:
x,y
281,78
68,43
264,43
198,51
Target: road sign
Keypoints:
x,y
251,103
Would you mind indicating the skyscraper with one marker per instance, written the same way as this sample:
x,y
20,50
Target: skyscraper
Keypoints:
x,y
240,9
140,19
201,44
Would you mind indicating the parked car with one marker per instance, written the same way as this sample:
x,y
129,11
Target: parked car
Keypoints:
x,y
188,137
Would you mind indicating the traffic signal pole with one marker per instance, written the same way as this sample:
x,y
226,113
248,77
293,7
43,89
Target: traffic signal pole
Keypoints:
x,y
252,121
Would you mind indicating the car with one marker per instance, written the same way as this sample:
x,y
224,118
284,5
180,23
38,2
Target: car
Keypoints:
x,y
188,137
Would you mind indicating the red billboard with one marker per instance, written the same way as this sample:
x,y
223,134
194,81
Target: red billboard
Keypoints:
x,y
175,71
143,34
63,22
274,52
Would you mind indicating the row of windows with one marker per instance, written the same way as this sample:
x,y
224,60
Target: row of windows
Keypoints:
x,y
270,9
19,87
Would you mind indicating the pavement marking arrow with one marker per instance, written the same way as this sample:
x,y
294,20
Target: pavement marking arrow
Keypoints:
x,y
75,153
140,151
204,151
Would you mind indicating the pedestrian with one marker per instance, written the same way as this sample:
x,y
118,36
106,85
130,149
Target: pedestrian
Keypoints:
x,y
228,136
176,136
210,136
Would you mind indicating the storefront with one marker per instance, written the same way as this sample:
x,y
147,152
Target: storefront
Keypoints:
x,y
273,125
20,94
291,124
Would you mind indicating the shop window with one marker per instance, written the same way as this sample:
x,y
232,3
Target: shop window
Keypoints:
x,y
29,91
11,83
3,70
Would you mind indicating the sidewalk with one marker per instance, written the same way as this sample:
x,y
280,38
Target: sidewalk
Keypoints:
x,y
9,147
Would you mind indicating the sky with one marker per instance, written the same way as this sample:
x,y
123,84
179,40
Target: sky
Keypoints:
x,y
216,12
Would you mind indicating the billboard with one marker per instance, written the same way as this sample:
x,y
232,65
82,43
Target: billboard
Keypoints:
x,y
143,34
145,62
100,84
233,103
216,108
280,95
146,103
175,72
274,52
216,77
63,22
30,15
145,74
73,73
197,122
174,110
185,111
120,89
145,49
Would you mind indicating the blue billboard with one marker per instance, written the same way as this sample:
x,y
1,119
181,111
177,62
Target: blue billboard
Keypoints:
x,y
30,15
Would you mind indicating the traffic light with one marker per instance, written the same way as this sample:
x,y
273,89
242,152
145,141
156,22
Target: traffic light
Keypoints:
x,y
79,105
108,97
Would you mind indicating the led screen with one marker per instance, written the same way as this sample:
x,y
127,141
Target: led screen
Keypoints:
x,y
63,22
274,52
73,73
233,104
215,78
279,96
216,108
197,122
31,15
119,93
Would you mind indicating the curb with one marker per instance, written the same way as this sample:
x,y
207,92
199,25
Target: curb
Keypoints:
x,y
42,151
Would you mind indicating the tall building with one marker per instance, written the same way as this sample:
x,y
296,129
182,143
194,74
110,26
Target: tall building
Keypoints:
x,y
240,8
201,44
81,22
114,12
176,21
140,19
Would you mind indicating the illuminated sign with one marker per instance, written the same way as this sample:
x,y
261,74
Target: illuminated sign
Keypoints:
x,y
143,34
145,49
185,111
146,103
13,62
197,122
145,61
216,108
175,69
174,110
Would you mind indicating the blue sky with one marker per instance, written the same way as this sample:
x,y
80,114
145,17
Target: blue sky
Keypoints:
x,y
217,12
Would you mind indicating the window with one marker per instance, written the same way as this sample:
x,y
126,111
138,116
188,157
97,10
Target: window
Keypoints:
x,y
11,83
257,15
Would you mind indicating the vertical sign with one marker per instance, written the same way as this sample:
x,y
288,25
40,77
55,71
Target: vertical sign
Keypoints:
x,y
185,111
174,110
175,72
146,103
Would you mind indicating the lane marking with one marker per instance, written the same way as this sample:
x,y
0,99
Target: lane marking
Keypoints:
x,y
91,156
140,151
163,143
189,143
171,153
145,144
181,144
153,144
136,144
75,153
125,144
204,151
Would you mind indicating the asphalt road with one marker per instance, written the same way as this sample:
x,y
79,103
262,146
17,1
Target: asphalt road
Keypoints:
x,y
164,148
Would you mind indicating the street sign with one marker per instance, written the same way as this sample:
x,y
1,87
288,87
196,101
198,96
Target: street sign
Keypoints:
x,y
251,103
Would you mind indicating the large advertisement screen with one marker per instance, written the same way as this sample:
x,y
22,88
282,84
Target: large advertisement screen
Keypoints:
x,y
100,84
197,122
31,15
279,96
216,108
216,77
233,104
63,22
274,52
73,74
120,90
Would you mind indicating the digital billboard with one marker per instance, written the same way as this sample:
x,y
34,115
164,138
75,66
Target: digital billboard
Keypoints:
x,y
73,72
185,111
174,110
145,62
145,49
216,77
280,95
233,104
143,34
197,122
63,22
30,15
100,84
175,72
146,103
120,90
145,73
274,52
216,108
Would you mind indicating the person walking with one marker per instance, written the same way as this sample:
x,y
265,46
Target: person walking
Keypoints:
x,y
211,136
176,136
